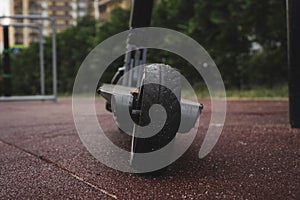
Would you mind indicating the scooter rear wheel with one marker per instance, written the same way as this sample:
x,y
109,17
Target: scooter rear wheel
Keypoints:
x,y
161,85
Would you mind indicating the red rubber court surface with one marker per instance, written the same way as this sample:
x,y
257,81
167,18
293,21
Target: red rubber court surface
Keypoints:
x,y
256,157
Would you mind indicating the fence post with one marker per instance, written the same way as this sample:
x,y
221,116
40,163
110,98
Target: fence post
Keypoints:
x,y
6,64
293,21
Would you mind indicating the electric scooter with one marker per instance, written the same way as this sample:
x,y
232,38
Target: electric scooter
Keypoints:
x,y
137,86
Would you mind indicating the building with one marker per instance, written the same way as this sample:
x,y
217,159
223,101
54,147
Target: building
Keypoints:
x,y
105,7
24,7
1,39
65,12
62,11
83,8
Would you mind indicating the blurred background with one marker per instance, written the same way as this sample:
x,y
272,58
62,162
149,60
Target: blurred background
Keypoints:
x,y
246,38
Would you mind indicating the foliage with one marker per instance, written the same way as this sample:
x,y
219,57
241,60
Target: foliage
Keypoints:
x,y
227,29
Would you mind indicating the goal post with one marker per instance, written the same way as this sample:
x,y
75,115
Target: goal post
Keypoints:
x,y
42,96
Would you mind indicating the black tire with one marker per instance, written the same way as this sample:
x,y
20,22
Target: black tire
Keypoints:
x,y
161,85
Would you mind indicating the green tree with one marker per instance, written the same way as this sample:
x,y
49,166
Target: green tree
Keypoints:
x,y
227,29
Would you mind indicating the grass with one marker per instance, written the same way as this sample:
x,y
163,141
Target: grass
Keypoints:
x,y
279,92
